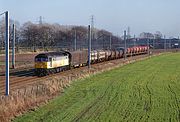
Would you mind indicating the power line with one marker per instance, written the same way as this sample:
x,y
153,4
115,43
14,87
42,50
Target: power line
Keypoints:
x,y
2,13
110,41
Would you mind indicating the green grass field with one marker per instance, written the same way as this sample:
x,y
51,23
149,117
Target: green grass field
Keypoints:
x,y
148,90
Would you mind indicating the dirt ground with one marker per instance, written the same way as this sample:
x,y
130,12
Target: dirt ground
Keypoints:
x,y
22,61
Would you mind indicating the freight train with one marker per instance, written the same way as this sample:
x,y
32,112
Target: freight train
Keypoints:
x,y
53,62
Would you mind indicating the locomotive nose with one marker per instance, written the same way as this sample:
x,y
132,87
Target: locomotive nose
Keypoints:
x,y
40,64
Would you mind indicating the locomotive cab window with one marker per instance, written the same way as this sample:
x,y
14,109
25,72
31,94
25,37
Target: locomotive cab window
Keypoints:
x,y
41,59
50,58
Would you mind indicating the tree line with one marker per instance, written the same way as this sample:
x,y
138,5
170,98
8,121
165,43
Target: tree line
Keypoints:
x,y
47,35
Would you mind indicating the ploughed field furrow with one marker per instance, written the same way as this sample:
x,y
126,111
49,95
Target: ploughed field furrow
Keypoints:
x,y
135,99
149,97
114,99
111,97
87,109
140,97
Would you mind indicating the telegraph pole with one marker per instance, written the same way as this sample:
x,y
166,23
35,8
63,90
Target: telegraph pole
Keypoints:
x,y
170,43
75,40
110,41
13,47
164,42
128,33
92,27
154,43
40,20
124,45
7,52
148,47
178,41
89,46
134,40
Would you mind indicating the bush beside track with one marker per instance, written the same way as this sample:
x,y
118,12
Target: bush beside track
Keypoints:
x,y
143,91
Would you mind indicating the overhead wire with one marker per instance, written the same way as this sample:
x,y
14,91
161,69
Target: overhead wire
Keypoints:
x,y
2,13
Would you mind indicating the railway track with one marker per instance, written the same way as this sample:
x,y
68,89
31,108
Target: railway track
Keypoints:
x,y
26,77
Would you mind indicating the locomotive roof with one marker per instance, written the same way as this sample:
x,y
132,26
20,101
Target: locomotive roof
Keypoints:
x,y
53,54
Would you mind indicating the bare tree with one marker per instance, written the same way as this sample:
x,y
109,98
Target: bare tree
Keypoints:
x,y
158,35
29,37
146,35
2,31
47,35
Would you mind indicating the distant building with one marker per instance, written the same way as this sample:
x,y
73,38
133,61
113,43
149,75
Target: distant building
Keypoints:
x,y
145,35
158,35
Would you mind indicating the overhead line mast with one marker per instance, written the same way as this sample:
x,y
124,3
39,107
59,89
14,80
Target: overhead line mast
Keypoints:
x,y
92,27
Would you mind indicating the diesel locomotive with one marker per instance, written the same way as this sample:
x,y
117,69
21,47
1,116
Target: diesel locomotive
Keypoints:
x,y
53,62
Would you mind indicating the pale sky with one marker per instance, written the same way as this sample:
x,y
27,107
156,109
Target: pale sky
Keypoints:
x,y
112,15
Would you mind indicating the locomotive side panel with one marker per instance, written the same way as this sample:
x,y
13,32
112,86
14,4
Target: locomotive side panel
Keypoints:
x,y
59,62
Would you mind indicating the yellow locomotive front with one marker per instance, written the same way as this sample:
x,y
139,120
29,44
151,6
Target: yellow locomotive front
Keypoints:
x,y
51,62
41,63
